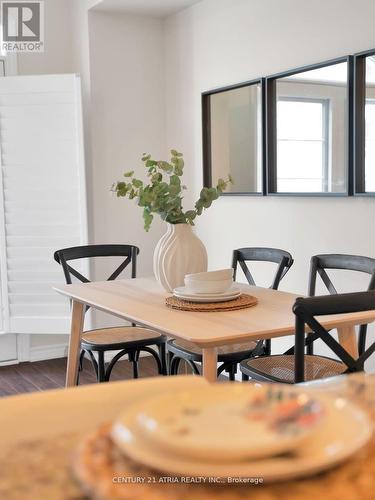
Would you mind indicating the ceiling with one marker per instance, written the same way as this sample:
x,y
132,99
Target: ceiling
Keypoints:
x,y
154,8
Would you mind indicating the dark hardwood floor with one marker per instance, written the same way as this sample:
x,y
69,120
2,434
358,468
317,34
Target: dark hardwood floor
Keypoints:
x,y
50,374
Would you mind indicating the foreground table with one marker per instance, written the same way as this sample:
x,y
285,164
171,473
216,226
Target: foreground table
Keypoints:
x,y
142,301
40,432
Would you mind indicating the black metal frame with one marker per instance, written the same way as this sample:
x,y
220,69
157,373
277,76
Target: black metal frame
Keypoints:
x,y
306,310
357,263
177,353
206,135
356,131
359,138
130,348
258,254
271,136
88,251
229,362
262,254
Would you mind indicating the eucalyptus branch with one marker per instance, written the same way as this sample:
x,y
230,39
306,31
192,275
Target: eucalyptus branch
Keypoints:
x,y
163,193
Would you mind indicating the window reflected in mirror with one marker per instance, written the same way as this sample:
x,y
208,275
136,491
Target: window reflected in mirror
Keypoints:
x,y
312,131
235,137
370,125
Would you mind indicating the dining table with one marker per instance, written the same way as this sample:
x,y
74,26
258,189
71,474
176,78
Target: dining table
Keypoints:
x,y
41,436
143,301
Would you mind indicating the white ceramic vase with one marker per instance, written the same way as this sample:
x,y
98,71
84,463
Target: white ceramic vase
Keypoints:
x,y
177,253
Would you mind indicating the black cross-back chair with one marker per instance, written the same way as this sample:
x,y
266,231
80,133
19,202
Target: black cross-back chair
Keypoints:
x,y
129,340
229,356
301,367
319,265
282,258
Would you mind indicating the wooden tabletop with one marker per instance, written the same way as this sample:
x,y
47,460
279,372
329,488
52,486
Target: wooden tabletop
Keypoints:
x,y
142,301
82,408
39,434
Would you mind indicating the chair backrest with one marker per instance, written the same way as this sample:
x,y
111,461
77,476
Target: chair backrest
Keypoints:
x,y
280,257
319,264
306,310
65,255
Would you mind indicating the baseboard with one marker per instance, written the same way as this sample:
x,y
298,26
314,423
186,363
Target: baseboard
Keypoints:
x,y
61,351
9,362
48,352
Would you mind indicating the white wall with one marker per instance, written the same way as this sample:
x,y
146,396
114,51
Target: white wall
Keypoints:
x,y
58,48
220,42
120,59
127,119
134,108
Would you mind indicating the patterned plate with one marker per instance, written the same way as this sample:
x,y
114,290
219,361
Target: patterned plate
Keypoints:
x,y
226,423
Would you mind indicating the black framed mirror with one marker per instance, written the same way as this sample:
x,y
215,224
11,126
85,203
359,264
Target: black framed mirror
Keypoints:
x,y
364,123
309,123
233,136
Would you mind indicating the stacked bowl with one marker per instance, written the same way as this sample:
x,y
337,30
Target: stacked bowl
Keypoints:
x,y
211,286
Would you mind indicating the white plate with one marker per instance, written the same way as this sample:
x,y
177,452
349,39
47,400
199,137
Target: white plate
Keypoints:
x,y
344,431
183,293
249,424
184,290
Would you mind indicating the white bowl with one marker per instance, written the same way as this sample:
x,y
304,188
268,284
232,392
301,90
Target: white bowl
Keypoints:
x,y
216,286
221,274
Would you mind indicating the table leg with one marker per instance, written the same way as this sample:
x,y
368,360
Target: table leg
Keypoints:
x,y
210,363
78,310
348,340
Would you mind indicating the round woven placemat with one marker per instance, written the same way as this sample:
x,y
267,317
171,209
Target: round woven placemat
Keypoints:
x,y
242,302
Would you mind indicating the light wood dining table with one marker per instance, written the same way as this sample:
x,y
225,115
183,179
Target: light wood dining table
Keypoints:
x,y
142,301
41,433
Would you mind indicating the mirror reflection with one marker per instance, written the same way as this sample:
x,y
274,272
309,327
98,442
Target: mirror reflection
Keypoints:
x,y
312,131
236,138
370,125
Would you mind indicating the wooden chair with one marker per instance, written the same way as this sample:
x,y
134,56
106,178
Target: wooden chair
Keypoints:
x,y
229,356
301,367
129,340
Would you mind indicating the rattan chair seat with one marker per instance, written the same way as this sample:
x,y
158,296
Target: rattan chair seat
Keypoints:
x,y
119,335
222,350
281,367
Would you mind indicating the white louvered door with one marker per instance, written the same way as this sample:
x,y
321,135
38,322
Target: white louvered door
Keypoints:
x,y
42,199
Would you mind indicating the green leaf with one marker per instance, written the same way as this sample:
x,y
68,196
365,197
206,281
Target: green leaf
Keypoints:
x,y
164,165
157,177
147,217
174,190
213,194
162,192
175,153
175,180
191,214
151,163
204,194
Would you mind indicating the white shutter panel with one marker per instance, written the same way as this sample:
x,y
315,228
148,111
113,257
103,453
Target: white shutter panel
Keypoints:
x,y
43,195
